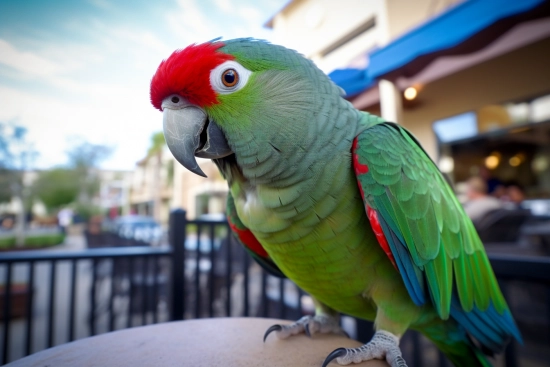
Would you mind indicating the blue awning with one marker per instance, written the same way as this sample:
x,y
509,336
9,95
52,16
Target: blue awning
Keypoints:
x,y
447,31
352,81
464,28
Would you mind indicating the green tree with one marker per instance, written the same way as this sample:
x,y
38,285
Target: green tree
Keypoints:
x,y
6,177
57,187
16,156
84,159
157,144
76,183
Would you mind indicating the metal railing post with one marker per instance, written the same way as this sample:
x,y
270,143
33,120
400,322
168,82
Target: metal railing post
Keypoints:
x,y
7,314
178,227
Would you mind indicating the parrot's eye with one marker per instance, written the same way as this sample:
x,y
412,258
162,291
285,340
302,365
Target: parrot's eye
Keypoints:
x,y
230,77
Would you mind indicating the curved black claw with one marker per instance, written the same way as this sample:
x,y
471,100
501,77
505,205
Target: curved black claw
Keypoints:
x,y
340,352
306,329
272,328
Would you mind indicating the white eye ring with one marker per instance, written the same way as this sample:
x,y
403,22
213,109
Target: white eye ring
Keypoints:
x,y
217,73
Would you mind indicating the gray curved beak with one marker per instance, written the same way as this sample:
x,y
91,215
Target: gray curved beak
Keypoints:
x,y
189,134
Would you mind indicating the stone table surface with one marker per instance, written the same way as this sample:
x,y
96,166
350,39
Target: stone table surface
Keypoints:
x,y
204,342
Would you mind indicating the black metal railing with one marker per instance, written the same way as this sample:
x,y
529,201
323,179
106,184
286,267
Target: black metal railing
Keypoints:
x,y
56,283
217,277
206,273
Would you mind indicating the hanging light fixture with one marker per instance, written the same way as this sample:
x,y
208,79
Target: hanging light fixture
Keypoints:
x,y
410,93
493,160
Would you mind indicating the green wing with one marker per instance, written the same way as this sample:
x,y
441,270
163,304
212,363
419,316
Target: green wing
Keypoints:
x,y
429,234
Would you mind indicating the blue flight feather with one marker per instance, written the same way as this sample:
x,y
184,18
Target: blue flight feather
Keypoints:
x,y
404,264
489,327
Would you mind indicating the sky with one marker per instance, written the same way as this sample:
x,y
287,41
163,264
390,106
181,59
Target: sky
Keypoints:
x,y
74,70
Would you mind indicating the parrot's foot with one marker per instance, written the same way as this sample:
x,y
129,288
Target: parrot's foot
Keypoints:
x,y
382,345
310,325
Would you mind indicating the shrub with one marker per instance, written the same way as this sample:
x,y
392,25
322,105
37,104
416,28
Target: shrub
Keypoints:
x,y
33,241
7,242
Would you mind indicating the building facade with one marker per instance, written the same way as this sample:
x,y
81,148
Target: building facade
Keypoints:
x,y
474,72
160,184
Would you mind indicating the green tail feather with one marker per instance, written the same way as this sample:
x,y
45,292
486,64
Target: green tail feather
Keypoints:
x,y
451,339
463,354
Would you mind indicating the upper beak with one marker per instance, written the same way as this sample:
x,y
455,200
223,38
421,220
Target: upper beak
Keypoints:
x,y
189,133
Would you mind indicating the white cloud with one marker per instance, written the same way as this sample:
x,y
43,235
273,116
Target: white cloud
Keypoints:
x,y
99,88
251,14
26,62
71,55
194,26
125,37
118,116
225,5
143,39
87,68
52,63
96,108
101,4
189,23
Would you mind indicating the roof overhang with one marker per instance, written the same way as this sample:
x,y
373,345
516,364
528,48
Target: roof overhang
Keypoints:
x,y
463,35
352,81
465,28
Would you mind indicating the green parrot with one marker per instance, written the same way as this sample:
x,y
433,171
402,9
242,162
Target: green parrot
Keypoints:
x,y
345,204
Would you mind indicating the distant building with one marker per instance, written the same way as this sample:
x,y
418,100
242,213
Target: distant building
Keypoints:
x,y
339,34
159,181
114,192
112,197
199,195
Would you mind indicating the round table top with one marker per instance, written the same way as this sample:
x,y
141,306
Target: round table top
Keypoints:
x,y
202,342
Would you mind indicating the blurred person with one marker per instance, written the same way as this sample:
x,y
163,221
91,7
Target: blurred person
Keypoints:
x,y
7,223
514,194
499,192
479,202
113,212
461,192
492,183
64,218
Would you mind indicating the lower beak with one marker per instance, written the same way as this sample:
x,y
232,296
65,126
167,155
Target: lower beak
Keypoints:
x,y
189,133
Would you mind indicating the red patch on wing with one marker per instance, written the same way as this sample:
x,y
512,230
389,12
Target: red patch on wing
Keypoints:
x,y
187,73
360,168
377,228
249,240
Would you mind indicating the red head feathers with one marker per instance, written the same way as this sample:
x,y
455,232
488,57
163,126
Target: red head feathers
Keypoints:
x,y
187,73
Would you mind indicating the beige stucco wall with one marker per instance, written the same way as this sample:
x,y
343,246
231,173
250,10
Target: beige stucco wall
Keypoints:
x,y
521,74
188,185
403,15
309,26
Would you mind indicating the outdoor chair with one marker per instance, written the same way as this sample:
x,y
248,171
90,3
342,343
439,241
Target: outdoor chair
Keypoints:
x,y
502,225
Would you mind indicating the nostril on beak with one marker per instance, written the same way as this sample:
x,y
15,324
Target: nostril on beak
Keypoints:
x,y
175,99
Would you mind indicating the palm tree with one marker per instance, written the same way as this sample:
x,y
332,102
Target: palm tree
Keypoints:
x,y
155,150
